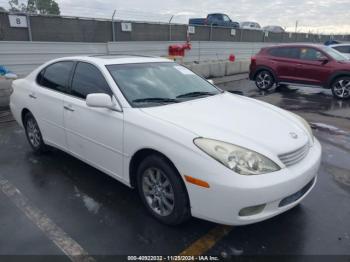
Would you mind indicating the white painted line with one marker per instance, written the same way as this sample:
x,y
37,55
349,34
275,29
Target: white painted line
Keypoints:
x,y
61,239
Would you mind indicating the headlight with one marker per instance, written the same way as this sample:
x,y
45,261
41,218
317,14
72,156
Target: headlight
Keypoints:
x,y
241,160
306,125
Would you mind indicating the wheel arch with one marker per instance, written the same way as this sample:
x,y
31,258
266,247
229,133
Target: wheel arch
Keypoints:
x,y
139,156
336,75
23,113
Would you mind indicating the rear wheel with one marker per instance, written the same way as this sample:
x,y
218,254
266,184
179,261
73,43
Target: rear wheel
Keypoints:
x,y
162,191
33,133
341,87
264,80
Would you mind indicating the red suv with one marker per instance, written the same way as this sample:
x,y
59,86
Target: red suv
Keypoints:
x,y
302,64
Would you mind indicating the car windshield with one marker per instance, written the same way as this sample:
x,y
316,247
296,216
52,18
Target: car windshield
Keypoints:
x,y
334,54
155,84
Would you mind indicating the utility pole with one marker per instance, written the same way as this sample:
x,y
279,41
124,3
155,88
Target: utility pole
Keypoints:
x,y
296,30
296,26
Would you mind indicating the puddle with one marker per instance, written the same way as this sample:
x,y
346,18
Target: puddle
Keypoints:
x,y
340,175
328,128
91,205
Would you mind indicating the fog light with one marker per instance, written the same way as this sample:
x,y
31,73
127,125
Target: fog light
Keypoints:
x,y
249,211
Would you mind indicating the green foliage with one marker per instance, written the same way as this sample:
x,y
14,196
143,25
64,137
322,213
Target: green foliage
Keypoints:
x,y
45,7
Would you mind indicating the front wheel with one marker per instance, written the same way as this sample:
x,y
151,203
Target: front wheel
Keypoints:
x,y
264,80
341,88
162,191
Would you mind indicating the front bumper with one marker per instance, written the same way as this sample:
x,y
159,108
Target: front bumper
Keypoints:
x,y
229,193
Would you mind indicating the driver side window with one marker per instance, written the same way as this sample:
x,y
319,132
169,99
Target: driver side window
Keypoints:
x,y
88,80
310,54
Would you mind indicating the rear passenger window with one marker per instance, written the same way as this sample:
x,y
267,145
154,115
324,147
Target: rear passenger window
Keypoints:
x,y
286,52
56,76
88,80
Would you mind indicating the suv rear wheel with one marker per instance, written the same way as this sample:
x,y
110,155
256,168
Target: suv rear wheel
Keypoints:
x,y
264,80
341,87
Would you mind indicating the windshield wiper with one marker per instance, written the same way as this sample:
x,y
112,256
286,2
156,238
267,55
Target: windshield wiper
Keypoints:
x,y
155,100
196,94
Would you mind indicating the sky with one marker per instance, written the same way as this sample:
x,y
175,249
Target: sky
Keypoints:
x,y
316,16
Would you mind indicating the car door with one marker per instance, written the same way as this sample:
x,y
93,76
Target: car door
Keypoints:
x,y
93,134
312,67
283,61
48,96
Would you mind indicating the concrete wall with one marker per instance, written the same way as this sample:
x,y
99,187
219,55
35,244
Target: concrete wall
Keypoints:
x,y
23,57
10,33
74,29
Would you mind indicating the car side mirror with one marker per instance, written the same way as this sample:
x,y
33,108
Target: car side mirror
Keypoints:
x,y
102,101
323,60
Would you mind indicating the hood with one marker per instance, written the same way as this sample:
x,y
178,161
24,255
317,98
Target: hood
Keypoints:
x,y
238,120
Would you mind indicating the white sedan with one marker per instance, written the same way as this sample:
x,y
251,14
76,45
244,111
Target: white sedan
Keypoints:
x,y
342,48
189,148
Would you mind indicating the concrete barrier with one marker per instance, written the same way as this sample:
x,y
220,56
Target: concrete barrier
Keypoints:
x,y
244,66
5,92
215,69
233,68
202,69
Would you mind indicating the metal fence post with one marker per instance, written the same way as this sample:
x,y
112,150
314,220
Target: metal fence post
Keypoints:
x,y
211,32
171,18
113,27
199,51
29,28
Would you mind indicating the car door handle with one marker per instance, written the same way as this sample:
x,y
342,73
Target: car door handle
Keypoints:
x,y
68,108
32,96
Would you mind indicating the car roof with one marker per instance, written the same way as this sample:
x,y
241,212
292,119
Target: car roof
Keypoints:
x,y
116,59
298,45
335,45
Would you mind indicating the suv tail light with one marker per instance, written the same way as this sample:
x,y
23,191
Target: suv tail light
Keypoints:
x,y
253,59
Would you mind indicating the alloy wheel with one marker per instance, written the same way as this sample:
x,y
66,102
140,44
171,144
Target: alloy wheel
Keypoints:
x,y
33,133
158,191
264,80
342,88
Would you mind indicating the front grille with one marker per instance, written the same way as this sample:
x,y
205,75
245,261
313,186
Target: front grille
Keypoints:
x,y
295,156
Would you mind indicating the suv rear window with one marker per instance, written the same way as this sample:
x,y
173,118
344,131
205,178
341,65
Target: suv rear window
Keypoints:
x,y
287,52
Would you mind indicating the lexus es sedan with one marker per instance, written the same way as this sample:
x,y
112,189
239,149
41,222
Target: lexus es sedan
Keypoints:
x,y
187,147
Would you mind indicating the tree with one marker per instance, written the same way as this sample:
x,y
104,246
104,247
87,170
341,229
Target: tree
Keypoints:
x,y
45,7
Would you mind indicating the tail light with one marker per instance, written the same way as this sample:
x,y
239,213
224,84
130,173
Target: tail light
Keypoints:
x,y
253,60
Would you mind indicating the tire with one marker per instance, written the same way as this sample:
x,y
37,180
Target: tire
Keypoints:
x,y
264,80
33,134
341,87
162,191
